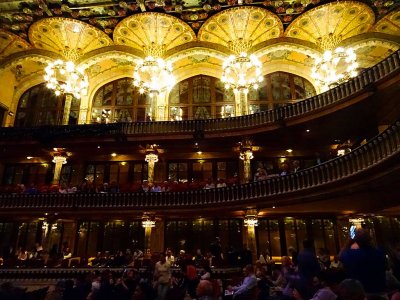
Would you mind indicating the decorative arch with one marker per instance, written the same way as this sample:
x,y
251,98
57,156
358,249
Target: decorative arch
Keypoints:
x,y
203,97
38,106
118,101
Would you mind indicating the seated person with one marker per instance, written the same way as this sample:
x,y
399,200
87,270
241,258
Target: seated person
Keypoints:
x,y
245,288
204,290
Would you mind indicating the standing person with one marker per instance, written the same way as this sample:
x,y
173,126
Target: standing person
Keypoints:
x,y
308,265
162,277
363,262
169,257
216,251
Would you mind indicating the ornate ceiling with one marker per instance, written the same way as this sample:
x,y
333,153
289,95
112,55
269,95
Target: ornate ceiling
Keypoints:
x,y
341,20
196,35
390,23
141,30
11,43
241,23
62,36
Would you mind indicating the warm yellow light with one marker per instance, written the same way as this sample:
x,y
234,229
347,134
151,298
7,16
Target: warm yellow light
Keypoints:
x,y
289,150
29,157
334,67
65,78
113,154
153,75
148,223
241,72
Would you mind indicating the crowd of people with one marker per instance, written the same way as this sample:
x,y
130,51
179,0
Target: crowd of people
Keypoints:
x,y
360,272
88,186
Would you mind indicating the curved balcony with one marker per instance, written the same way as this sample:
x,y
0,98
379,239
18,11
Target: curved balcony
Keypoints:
x,y
370,162
359,87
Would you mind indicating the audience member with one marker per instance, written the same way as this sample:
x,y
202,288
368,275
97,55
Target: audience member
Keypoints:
x,y
247,286
363,262
204,290
162,277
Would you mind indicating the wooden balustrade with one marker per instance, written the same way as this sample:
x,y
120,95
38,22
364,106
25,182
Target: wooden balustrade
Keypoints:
x,y
385,145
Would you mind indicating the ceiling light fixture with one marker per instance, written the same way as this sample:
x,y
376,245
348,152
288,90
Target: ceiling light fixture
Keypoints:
x,y
241,72
336,65
153,75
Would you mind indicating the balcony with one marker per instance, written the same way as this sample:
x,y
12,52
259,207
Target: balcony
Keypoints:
x,y
372,168
380,77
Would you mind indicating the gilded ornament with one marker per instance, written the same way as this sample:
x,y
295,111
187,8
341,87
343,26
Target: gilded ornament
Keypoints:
x,y
290,10
287,18
151,5
280,10
121,12
196,25
207,7
111,12
27,11
217,7
57,11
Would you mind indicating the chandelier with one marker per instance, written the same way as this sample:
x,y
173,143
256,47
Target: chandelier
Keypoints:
x,y
335,66
246,155
241,72
64,77
151,154
151,158
147,223
153,74
251,220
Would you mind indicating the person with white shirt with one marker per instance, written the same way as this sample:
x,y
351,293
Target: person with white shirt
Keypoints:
x,y
249,283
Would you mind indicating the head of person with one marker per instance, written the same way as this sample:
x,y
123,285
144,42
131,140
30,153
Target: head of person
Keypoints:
x,y
300,292
204,288
162,258
362,238
350,289
308,244
247,270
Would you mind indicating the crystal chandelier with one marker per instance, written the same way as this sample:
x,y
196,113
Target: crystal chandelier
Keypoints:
x,y
246,155
335,66
251,220
241,72
147,223
153,74
64,77
151,158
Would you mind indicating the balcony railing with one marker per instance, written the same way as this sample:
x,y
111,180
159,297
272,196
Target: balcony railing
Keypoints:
x,y
350,88
382,147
